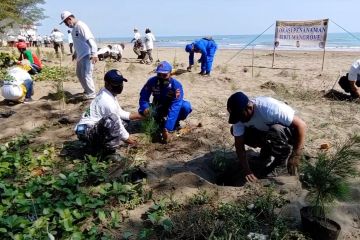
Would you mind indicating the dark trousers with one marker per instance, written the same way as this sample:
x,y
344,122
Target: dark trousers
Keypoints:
x,y
58,45
276,145
161,113
103,136
345,85
71,47
148,55
34,69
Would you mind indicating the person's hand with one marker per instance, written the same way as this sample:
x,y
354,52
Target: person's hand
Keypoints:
x,y
146,112
293,164
73,57
251,178
188,68
94,59
131,141
166,136
199,60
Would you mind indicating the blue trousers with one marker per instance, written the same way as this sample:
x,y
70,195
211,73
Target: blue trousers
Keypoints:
x,y
29,88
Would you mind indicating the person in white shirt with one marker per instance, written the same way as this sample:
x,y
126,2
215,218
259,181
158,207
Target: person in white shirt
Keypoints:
x,y
117,51
351,82
104,52
149,46
70,41
138,44
269,124
101,126
85,52
18,85
58,41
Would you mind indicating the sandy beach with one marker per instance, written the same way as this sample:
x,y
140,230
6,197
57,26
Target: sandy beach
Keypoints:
x,y
177,167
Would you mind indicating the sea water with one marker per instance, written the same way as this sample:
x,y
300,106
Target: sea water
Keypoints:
x,y
335,41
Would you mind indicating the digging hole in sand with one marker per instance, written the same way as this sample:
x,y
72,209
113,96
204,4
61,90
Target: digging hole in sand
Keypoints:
x,y
223,168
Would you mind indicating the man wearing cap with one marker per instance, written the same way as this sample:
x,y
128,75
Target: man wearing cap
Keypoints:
x,y
168,100
85,52
101,126
269,124
351,82
207,47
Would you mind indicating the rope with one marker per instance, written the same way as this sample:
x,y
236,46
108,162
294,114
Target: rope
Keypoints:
x,y
345,30
249,44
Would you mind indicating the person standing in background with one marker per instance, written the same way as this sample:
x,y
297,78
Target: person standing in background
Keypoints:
x,y
71,43
149,46
137,43
85,52
57,38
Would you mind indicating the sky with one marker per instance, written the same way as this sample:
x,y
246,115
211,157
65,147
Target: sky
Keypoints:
x,y
117,18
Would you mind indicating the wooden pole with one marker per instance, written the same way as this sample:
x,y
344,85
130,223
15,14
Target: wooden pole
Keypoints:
x,y
323,60
252,63
273,60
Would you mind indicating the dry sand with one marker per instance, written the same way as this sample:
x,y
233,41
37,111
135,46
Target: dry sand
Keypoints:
x,y
178,166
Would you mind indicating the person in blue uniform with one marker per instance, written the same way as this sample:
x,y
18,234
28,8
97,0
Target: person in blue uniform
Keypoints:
x,y
207,47
168,100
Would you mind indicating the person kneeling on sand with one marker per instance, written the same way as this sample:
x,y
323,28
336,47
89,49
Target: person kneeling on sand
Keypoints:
x,y
351,82
168,100
35,63
269,124
101,126
117,51
18,85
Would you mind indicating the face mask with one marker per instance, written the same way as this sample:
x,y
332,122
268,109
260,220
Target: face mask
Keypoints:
x,y
117,89
164,80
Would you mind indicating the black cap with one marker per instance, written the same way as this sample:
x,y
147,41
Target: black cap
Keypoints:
x,y
114,77
235,105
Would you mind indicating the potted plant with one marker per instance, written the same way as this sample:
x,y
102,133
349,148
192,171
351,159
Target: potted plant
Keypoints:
x,y
326,179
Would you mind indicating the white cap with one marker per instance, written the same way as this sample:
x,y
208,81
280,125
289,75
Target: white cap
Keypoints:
x,y
65,15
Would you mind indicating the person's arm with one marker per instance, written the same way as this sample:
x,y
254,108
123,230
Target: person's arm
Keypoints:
x,y
244,164
144,101
300,130
191,58
135,116
355,91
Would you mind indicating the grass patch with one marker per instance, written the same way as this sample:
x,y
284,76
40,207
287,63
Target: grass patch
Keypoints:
x,y
41,200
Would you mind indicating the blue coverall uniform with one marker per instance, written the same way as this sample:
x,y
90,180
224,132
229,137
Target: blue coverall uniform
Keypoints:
x,y
207,48
168,101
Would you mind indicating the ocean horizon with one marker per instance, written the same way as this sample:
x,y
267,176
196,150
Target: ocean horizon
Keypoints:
x,y
335,42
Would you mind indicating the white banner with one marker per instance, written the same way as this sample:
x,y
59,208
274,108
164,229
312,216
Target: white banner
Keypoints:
x,y
301,33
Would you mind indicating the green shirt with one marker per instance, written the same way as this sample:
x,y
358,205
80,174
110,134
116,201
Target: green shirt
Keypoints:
x,y
27,55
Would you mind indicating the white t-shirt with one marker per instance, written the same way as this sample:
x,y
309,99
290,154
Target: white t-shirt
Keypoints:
x,y
137,35
117,49
57,36
70,40
104,104
13,89
354,72
149,41
84,41
267,111
103,50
